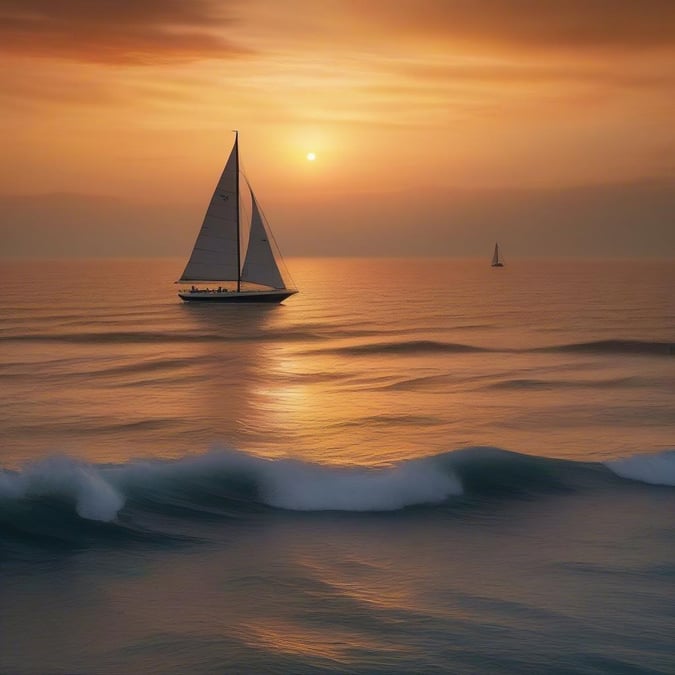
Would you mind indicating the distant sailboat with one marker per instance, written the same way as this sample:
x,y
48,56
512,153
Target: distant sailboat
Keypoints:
x,y
497,260
214,271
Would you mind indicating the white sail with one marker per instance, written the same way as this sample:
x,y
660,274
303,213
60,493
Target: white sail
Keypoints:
x,y
215,256
495,256
260,265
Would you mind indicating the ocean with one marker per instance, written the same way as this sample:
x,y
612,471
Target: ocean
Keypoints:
x,y
412,466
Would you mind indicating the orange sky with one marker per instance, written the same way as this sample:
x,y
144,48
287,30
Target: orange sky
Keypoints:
x,y
438,125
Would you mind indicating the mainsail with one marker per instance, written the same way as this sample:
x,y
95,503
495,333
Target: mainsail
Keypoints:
x,y
215,255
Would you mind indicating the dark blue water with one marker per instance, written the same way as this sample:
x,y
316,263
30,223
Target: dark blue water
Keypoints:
x,y
478,560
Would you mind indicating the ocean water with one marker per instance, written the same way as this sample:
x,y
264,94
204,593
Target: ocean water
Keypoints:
x,y
413,466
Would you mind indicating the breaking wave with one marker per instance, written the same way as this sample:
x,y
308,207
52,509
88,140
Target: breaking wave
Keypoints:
x,y
94,497
60,499
100,492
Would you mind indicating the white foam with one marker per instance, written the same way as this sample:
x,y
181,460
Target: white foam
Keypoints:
x,y
94,497
289,484
657,469
303,487
300,486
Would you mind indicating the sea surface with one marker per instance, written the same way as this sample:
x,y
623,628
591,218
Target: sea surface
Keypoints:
x,y
412,466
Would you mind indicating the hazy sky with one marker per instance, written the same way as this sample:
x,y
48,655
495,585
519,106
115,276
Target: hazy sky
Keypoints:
x,y
438,125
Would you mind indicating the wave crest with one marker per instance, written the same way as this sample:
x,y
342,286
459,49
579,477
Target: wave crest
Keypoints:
x,y
100,492
306,487
656,469
229,482
93,496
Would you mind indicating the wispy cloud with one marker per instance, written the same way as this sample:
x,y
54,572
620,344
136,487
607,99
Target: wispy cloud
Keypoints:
x,y
118,31
523,24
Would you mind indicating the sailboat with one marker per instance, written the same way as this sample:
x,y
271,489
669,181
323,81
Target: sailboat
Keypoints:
x,y
497,260
217,271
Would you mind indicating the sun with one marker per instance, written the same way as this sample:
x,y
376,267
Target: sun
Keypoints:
x,y
311,156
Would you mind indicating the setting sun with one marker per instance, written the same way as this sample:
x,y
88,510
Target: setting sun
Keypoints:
x,y
311,156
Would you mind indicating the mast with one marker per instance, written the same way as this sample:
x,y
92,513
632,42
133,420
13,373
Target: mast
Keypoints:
x,y
236,157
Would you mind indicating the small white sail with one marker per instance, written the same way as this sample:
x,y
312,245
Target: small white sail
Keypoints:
x,y
496,260
260,265
214,256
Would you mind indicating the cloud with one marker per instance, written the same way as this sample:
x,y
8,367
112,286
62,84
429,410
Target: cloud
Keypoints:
x,y
117,31
157,31
574,24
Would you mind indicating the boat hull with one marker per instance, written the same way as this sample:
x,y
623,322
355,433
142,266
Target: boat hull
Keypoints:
x,y
234,297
